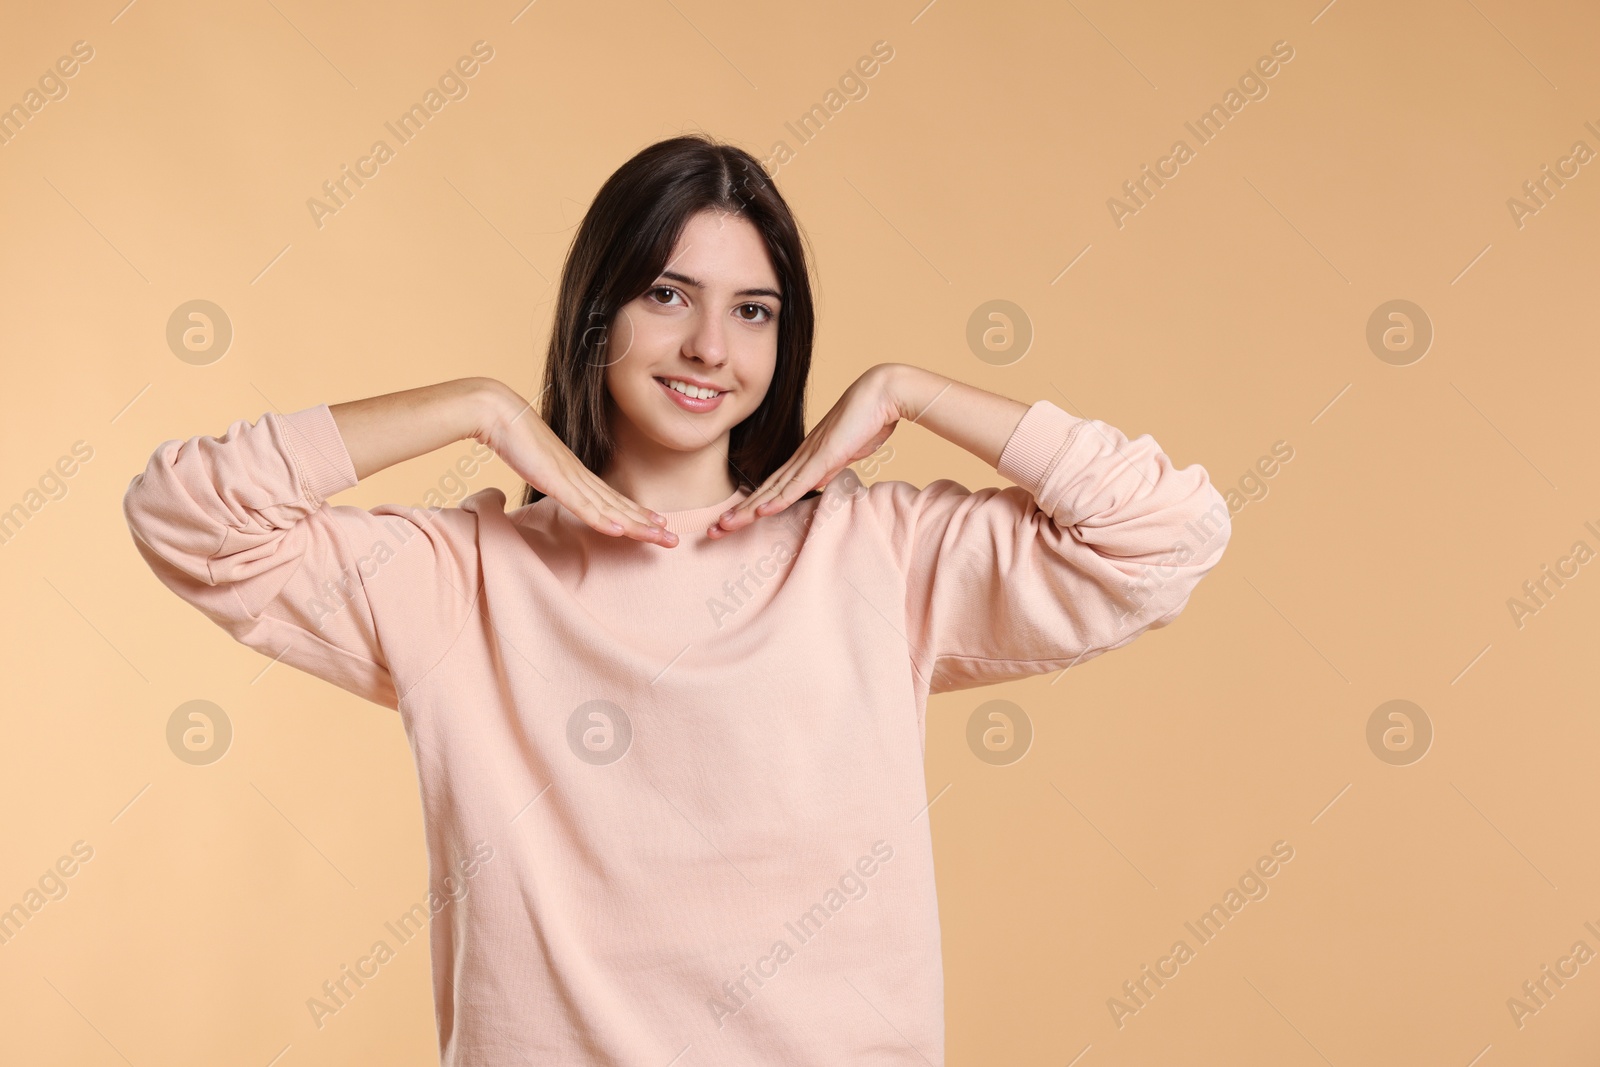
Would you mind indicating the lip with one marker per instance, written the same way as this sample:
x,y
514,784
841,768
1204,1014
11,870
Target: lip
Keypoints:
x,y
701,382
689,403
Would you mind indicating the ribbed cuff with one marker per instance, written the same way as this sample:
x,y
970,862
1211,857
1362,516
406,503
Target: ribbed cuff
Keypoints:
x,y
320,457
1037,444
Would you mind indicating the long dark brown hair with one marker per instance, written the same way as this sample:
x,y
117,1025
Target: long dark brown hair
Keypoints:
x,y
620,250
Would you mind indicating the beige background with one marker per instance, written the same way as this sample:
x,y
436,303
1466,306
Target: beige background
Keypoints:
x,y
1229,314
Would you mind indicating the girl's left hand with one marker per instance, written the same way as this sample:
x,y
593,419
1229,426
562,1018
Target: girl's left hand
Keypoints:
x,y
861,420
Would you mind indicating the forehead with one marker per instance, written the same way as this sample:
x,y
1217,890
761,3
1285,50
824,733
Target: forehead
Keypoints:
x,y
722,250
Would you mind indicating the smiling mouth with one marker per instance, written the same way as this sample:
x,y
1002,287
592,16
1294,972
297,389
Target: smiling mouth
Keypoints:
x,y
692,392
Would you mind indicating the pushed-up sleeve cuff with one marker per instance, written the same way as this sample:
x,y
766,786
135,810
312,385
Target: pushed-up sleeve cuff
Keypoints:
x,y
1037,445
321,460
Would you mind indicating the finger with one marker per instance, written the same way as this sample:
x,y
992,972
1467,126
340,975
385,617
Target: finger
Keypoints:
x,y
762,494
633,523
786,488
616,522
801,481
577,487
745,508
778,478
619,506
622,502
589,497
610,513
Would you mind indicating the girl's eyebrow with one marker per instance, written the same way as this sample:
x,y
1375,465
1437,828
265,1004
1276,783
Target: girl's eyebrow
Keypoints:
x,y
686,280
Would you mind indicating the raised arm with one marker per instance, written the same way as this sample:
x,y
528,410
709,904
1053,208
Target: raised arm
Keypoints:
x,y
1101,538
979,421
380,431
238,526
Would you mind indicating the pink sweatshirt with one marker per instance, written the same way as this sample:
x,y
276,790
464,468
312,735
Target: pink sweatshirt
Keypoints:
x,y
674,798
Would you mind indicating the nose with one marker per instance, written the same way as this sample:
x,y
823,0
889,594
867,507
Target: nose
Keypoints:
x,y
708,341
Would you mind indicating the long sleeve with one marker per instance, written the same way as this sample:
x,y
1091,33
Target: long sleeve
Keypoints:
x,y
239,527
1100,539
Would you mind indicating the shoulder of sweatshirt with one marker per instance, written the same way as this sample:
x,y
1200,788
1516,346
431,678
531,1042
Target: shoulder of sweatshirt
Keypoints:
x,y
545,525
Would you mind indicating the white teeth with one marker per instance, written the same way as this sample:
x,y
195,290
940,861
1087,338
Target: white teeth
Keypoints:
x,y
690,390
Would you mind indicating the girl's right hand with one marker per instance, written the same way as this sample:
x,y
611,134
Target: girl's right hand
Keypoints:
x,y
517,434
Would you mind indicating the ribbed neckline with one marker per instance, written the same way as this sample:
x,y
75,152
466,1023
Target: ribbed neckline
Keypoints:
x,y
697,520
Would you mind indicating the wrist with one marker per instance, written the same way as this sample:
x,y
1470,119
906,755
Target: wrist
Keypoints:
x,y
911,388
485,406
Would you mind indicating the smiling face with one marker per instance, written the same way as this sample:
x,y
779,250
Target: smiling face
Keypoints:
x,y
708,325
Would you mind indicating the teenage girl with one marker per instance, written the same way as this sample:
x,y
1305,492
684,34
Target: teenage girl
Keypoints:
x,y
668,714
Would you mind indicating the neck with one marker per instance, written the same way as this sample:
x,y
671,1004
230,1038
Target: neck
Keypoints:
x,y
666,479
